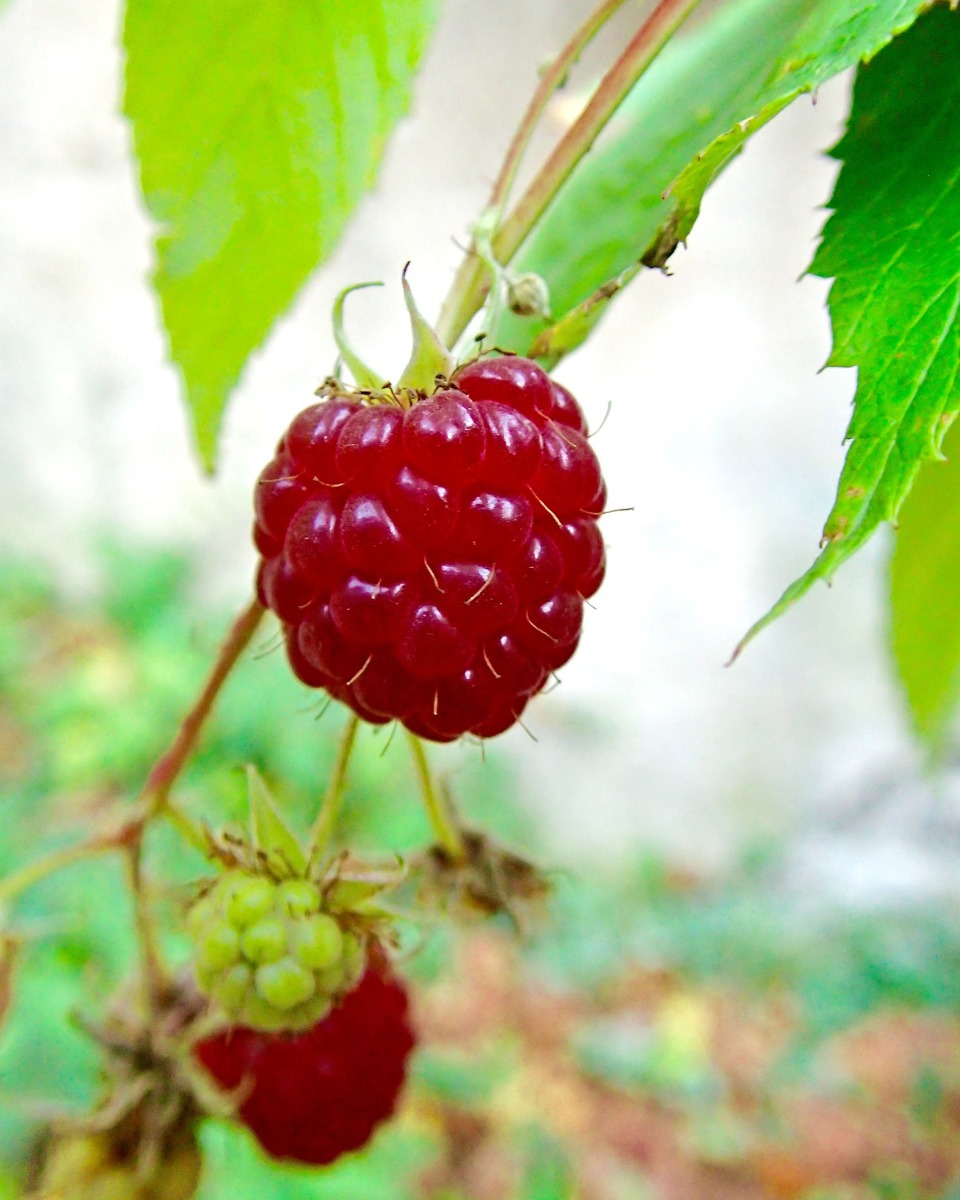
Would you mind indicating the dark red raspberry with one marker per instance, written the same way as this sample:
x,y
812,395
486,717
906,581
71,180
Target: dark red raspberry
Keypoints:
x,y
316,1095
430,563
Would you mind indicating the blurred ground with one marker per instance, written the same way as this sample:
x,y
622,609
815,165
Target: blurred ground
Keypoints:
x,y
653,1087
656,1034
721,435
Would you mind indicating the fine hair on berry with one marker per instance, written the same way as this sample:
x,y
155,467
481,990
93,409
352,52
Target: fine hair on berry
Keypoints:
x,y
430,560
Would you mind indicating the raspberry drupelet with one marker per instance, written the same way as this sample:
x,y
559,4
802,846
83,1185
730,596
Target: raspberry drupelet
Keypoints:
x,y
430,562
313,1095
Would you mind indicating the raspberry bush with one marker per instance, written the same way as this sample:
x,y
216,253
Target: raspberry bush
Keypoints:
x,y
428,538
429,555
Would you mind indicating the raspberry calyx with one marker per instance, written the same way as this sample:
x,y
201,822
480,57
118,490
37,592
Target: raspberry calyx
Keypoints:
x,y
429,555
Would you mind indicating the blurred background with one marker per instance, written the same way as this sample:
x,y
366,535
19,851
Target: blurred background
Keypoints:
x,y
721,436
787,784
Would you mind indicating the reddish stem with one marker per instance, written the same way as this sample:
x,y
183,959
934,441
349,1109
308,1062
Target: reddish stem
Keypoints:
x,y
639,53
470,284
168,767
551,80
156,790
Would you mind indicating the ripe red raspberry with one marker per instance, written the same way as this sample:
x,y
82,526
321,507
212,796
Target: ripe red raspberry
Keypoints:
x,y
430,560
315,1095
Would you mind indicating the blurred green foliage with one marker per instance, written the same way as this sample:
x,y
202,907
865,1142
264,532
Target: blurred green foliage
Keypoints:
x,y
91,693
257,130
839,964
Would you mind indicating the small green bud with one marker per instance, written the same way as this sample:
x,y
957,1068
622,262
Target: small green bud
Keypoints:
x,y
233,987
264,942
201,914
354,960
269,953
317,942
247,900
285,984
297,898
218,945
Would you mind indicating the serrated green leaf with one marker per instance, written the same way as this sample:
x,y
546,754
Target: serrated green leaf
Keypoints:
x,y
892,247
269,832
638,193
257,128
925,595
823,40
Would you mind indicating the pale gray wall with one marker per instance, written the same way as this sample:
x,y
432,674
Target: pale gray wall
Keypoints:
x,y
722,436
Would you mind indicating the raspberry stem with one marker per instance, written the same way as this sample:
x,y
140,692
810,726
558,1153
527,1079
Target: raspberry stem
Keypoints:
x,y
154,796
162,777
35,872
471,282
444,827
154,800
551,81
333,799
155,980
190,830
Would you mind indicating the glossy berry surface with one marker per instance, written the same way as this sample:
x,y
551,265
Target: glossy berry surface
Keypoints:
x,y
430,563
268,954
316,1095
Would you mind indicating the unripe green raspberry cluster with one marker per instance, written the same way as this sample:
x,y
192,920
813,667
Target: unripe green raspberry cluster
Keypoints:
x,y
268,953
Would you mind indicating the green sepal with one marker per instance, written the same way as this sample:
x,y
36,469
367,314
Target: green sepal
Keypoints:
x,y
358,892
364,376
270,835
430,357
